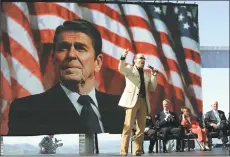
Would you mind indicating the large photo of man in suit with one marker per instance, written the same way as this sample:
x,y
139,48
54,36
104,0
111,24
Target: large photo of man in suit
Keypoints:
x,y
73,105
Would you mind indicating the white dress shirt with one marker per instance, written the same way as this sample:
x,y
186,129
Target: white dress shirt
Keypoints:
x,y
166,114
216,113
73,97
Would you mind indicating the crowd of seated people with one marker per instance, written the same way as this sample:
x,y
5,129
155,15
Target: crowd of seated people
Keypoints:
x,y
168,123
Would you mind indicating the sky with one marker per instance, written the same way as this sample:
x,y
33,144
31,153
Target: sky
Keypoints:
x,y
214,31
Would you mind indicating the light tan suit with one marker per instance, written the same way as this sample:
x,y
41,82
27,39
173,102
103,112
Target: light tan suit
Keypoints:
x,y
136,107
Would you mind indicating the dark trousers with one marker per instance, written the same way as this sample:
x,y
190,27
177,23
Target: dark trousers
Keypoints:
x,y
222,133
152,134
171,131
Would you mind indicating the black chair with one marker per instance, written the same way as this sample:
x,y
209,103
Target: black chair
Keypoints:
x,y
189,139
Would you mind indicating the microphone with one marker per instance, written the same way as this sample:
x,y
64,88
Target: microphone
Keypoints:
x,y
152,68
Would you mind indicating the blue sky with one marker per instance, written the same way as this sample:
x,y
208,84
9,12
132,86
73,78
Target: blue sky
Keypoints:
x,y
213,23
214,31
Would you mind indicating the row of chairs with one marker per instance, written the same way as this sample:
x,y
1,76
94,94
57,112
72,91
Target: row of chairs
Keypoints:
x,y
187,137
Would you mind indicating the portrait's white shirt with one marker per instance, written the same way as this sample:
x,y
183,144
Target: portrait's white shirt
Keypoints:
x,y
73,97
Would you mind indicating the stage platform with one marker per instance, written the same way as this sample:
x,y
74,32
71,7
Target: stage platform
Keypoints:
x,y
218,152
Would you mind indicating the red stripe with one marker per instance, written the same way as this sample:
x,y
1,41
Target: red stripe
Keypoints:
x,y
104,9
6,91
42,8
192,55
136,21
4,121
23,56
19,90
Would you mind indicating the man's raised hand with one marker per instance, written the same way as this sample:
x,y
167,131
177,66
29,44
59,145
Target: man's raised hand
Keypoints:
x,y
125,53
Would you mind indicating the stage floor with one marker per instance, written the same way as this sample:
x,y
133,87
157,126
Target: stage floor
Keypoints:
x,y
216,152
219,152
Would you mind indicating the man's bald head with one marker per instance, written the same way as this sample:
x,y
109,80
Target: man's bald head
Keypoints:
x,y
139,60
214,105
166,104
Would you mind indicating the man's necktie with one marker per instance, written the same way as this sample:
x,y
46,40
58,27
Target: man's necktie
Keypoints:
x,y
88,116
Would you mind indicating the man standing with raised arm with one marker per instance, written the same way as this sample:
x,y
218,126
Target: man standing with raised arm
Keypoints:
x,y
135,100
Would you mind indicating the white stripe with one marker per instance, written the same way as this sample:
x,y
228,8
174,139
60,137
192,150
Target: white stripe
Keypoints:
x,y
4,104
42,22
135,10
116,52
176,80
101,19
142,35
190,44
19,34
114,7
5,68
197,91
193,67
160,26
24,9
73,7
25,78
168,52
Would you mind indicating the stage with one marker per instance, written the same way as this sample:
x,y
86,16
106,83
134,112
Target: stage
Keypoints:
x,y
217,152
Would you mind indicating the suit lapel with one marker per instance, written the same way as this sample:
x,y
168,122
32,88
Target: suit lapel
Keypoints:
x,y
163,114
60,99
135,71
220,115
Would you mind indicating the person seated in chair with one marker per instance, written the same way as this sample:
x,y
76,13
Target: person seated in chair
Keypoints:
x,y
151,132
192,125
168,123
216,120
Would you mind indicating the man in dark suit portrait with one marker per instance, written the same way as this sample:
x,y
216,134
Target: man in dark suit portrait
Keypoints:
x,y
216,120
73,105
168,123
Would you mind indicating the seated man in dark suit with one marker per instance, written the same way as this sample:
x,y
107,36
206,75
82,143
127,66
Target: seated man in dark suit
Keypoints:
x,y
73,105
168,123
216,120
151,132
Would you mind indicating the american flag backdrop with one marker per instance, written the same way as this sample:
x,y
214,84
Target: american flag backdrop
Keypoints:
x,y
166,33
